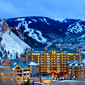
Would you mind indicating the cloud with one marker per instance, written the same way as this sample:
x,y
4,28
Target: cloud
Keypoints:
x,y
48,8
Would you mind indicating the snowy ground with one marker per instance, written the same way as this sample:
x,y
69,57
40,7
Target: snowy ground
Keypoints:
x,y
13,43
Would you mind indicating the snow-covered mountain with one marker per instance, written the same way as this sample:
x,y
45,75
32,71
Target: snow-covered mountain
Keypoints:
x,y
41,31
42,28
10,41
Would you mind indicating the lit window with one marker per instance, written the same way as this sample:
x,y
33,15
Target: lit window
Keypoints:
x,y
69,72
76,53
78,72
73,76
58,70
58,56
48,56
73,67
58,65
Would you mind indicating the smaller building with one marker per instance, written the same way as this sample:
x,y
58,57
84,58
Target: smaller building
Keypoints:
x,y
34,68
75,70
16,70
46,79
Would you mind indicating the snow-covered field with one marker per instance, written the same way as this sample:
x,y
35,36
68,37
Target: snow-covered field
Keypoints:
x,y
13,43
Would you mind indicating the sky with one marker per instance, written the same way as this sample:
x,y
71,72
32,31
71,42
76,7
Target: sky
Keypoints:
x,y
56,9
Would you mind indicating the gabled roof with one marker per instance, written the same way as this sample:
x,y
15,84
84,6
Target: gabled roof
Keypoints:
x,y
75,63
32,64
13,64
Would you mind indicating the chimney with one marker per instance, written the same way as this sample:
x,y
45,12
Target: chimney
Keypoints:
x,y
61,48
78,50
45,48
28,50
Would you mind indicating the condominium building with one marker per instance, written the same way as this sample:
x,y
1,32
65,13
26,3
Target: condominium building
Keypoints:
x,y
34,68
76,70
16,70
53,58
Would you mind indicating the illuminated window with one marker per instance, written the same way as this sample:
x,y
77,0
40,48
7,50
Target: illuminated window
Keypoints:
x,y
70,67
58,70
41,70
82,72
2,74
78,72
82,67
73,76
61,58
79,53
64,65
58,65
58,61
73,73
62,53
73,70
47,53
74,58
82,76
53,52
48,56
79,67
48,61
48,70
69,72
73,67
65,71
30,69
76,53
58,56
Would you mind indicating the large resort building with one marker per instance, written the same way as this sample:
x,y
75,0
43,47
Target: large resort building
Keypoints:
x,y
53,59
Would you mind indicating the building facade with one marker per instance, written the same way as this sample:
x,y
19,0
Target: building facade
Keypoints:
x,y
76,70
53,58
34,68
16,70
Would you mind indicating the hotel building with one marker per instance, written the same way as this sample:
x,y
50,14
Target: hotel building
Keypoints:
x,y
53,58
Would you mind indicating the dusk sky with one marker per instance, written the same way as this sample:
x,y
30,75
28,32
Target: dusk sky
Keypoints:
x,y
56,9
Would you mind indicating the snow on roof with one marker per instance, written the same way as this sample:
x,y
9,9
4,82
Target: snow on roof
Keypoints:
x,y
75,63
32,63
68,81
13,64
4,66
46,77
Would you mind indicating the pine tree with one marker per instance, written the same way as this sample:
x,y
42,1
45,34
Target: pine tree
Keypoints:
x,y
16,55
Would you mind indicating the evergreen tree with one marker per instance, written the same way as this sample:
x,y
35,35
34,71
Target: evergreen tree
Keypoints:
x,y
16,55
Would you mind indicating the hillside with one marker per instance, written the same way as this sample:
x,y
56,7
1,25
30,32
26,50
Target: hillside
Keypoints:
x,y
10,41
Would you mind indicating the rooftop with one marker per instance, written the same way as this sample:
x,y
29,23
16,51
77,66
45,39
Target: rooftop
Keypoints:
x,y
53,48
13,64
32,64
75,63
